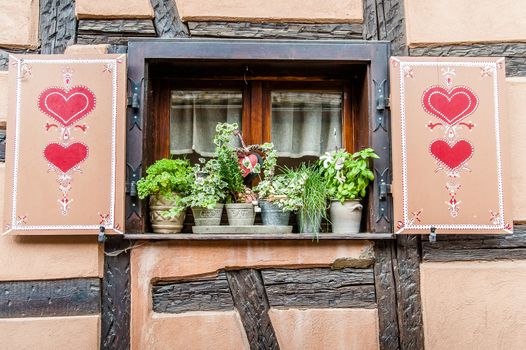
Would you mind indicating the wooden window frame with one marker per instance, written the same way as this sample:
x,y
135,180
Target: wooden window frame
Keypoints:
x,y
370,110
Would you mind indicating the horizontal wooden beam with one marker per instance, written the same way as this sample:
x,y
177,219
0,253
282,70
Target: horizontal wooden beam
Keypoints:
x,y
320,288
291,236
68,297
198,295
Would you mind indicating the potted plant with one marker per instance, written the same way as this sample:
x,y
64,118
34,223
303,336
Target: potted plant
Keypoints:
x,y
348,176
278,193
313,195
167,182
239,207
207,193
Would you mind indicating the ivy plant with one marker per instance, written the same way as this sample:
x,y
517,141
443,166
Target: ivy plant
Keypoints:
x,y
208,187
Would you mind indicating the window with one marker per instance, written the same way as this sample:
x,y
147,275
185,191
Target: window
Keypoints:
x,y
280,84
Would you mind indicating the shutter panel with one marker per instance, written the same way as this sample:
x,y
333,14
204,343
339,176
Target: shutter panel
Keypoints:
x,y
65,144
450,158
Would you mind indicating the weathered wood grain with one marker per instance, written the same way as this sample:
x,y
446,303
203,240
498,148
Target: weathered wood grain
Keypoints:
x,y
409,304
476,247
515,54
271,30
58,25
116,301
167,21
386,296
115,32
68,297
320,288
385,20
202,295
251,302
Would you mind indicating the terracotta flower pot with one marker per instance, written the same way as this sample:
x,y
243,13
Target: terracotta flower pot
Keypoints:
x,y
208,217
240,214
346,217
160,222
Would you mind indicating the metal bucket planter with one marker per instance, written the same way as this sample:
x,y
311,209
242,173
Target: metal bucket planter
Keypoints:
x,y
160,222
346,217
272,215
309,224
208,217
240,214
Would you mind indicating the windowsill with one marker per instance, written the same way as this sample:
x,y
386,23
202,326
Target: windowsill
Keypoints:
x,y
233,237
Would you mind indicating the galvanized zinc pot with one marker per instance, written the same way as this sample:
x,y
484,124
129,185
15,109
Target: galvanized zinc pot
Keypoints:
x,y
346,217
309,224
240,214
208,217
273,215
161,223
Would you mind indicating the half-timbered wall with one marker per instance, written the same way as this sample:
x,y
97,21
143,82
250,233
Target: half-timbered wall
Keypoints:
x,y
460,292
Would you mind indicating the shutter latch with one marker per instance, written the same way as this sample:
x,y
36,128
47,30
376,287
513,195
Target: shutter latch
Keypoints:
x,y
131,183
134,100
385,189
382,102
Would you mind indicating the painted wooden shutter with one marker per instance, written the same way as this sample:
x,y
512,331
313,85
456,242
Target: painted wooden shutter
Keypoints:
x,y
65,144
450,158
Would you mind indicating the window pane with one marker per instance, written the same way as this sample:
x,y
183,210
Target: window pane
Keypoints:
x,y
306,123
194,116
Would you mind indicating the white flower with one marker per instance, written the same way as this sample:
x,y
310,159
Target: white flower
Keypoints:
x,y
327,159
339,176
339,163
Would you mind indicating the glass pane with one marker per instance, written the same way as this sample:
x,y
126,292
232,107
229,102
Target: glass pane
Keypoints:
x,y
194,116
306,123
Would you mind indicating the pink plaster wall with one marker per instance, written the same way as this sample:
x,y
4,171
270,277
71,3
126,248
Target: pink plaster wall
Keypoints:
x,y
50,333
474,305
304,11
180,260
331,329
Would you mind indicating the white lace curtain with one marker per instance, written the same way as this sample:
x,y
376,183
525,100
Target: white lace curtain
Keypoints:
x,y
303,123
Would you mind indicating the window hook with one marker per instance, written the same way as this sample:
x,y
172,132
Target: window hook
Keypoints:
x,y
432,234
245,75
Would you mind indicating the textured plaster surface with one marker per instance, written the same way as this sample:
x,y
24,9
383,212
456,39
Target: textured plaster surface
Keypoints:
x,y
302,11
3,96
182,260
330,329
53,257
517,131
464,21
474,305
113,9
195,330
50,333
19,23
87,49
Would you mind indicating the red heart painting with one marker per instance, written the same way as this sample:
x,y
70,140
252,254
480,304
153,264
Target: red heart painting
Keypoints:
x,y
65,158
67,107
451,156
451,106
252,158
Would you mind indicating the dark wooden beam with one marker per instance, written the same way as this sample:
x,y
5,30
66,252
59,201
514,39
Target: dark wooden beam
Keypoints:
x,y
58,25
269,30
515,54
476,247
407,276
116,302
384,277
67,297
115,31
198,295
251,302
320,288
385,20
167,21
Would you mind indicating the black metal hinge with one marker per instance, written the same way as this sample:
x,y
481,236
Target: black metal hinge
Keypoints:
x,y
131,181
385,189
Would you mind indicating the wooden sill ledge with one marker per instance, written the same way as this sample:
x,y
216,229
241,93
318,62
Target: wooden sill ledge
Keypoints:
x,y
236,237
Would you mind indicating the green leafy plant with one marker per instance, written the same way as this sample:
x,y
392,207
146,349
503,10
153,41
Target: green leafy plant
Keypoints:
x,y
281,189
313,194
226,155
348,175
169,178
208,187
